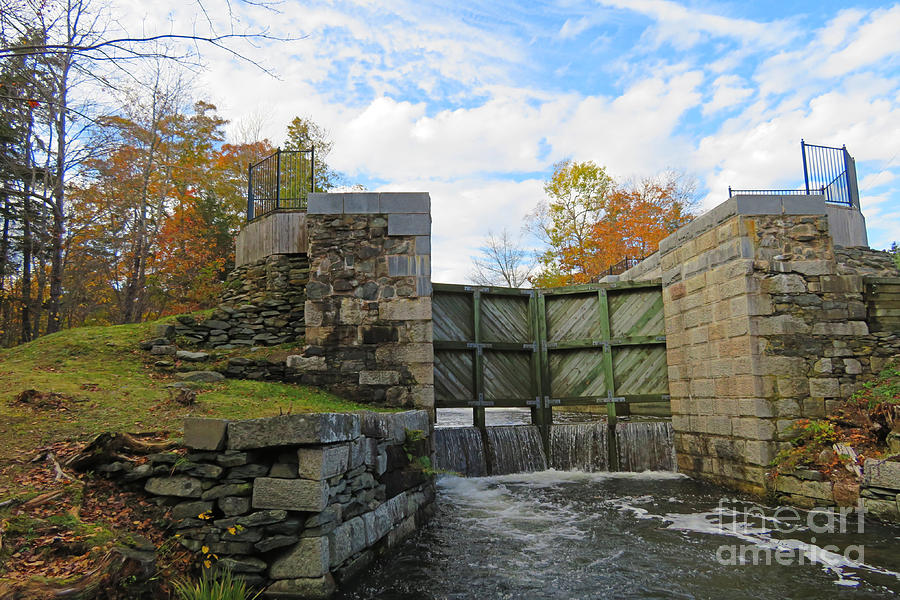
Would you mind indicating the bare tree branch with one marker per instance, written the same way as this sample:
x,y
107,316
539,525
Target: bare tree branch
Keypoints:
x,y
503,261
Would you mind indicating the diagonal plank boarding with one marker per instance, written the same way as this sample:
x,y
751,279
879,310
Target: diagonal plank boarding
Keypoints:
x,y
589,344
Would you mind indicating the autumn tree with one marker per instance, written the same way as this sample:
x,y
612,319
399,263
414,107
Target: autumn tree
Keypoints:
x,y
503,262
589,222
577,195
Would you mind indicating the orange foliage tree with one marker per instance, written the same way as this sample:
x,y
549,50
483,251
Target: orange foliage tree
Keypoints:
x,y
590,223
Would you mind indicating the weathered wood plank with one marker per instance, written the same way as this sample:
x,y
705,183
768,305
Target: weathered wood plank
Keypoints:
x,y
504,319
280,232
453,317
572,317
506,375
453,376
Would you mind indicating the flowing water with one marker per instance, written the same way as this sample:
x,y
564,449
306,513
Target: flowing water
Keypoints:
x,y
576,535
505,449
646,446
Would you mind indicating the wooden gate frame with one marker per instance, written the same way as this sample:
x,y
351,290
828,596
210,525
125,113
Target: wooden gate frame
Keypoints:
x,y
542,400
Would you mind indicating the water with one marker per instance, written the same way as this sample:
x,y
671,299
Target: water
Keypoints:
x,y
515,449
642,446
579,446
460,450
645,446
575,535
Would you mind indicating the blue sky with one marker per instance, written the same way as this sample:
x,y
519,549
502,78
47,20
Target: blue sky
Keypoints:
x,y
474,102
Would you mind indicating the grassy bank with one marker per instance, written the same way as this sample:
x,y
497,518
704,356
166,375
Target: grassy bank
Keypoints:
x,y
95,379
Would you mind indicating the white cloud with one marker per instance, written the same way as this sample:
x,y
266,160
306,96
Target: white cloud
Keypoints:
x,y
729,91
683,27
463,102
572,28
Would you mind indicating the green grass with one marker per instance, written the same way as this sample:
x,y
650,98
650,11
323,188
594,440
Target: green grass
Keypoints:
x,y
111,385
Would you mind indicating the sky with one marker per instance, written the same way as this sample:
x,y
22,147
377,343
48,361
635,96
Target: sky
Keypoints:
x,y
474,102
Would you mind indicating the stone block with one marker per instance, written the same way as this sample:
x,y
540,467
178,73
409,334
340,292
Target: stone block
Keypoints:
x,y
405,202
163,350
781,325
309,588
379,377
361,203
405,309
820,387
306,363
852,366
309,558
754,429
409,224
394,425
325,204
823,366
190,510
205,434
346,540
852,328
401,354
784,284
180,486
290,494
200,376
882,473
284,430
759,452
322,462
888,510
423,244
234,505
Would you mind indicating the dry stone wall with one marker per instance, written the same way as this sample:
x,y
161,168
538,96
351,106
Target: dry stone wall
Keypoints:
x,y
368,309
294,503
764,326
262,305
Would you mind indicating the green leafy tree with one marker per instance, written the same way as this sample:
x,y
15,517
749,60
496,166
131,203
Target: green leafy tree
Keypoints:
x,y
578,193
304,134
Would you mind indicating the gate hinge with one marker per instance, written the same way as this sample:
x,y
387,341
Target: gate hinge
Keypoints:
x,y
660,338
532,347
604,343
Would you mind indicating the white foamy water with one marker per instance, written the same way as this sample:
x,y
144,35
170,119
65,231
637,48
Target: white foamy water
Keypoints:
x,y
569,534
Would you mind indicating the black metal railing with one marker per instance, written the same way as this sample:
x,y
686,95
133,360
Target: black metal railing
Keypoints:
x,y
622,266
832,169
827,170
280,181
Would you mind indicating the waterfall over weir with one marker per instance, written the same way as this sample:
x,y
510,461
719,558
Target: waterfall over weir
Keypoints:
x,y
642,446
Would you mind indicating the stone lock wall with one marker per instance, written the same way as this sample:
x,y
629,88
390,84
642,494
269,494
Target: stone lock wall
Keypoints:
x,y
295,503
764,326
368,309
262,305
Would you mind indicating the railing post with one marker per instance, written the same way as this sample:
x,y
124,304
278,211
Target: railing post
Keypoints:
x,y
805,170
249,192
844,155
312,169
277,179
